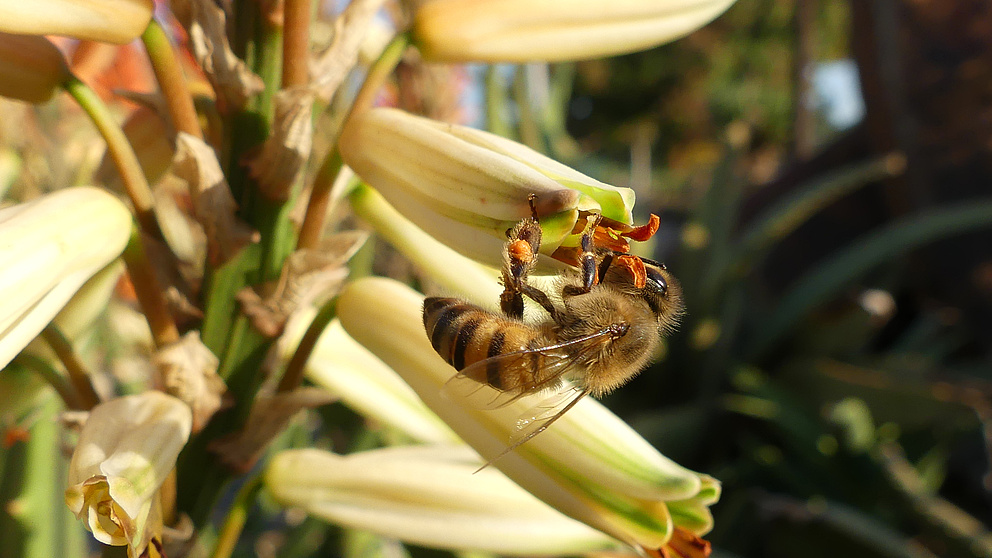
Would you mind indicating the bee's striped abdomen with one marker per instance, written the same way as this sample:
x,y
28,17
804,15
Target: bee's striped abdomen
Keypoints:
x,y
464,334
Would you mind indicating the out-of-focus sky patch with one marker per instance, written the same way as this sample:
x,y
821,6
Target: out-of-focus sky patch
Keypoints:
x,y
837,93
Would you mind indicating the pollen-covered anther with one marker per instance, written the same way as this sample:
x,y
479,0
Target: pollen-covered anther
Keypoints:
x,y
645,231
635,266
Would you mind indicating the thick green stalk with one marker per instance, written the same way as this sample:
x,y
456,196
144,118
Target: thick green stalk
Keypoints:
x,y
36,522
225,330
530,135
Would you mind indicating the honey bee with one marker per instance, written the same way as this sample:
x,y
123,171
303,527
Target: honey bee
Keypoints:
x,y
609,317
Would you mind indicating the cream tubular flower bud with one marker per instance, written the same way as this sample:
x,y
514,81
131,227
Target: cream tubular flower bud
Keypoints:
x,y
108,21
553,30
429,496
126,449
589,465
50,247
364,383
466,187
32,69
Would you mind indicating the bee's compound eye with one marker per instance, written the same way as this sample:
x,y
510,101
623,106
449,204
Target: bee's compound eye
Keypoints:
x,y
656,280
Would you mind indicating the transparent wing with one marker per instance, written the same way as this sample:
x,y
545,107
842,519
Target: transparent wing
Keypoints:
x,y
537,419
474,385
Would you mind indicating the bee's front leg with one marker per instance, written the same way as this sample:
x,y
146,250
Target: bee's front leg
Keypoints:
x,y
587,263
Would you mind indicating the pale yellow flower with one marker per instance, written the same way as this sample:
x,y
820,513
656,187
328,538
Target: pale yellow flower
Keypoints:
x,y
429,496
364,383
126,449
50,247
466,187
553,30
109,21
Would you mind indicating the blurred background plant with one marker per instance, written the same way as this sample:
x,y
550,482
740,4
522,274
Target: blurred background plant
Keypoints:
x,y
821,171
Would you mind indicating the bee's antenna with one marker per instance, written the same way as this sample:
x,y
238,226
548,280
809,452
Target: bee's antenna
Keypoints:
x,y
652,262
532,201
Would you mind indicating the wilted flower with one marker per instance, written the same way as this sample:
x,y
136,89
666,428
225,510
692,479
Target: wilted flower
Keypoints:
x,y
126,449
108,21
553,30
427,495
589,465
50,247
466,187
32,69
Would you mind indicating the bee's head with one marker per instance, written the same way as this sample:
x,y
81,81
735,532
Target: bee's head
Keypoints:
x,y
650,281
662,293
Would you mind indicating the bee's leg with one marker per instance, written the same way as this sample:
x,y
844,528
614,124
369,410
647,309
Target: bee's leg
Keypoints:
x,y
518,261
519,258
587,263
540,297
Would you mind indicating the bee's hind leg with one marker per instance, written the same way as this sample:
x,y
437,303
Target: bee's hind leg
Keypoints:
x,y
519,259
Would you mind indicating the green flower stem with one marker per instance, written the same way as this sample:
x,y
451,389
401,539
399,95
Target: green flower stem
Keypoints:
x,y
52,377
151,297
293,376
78,375
178,100
120,151
320,198
313,222
234,523
295,43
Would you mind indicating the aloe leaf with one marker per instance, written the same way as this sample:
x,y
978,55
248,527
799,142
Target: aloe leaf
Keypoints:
x,y
831,276
790,213
36,522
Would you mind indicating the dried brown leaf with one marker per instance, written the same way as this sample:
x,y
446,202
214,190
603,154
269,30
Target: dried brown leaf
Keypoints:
x,y
213,203
308,277
334,63
205,22
187,370
280,161
268,417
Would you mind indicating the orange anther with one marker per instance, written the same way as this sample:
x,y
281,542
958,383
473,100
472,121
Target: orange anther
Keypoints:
x,y
645,231
636,267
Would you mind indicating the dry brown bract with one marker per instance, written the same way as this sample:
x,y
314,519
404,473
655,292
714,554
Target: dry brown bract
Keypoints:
x,y
277,166
213,203
205,22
